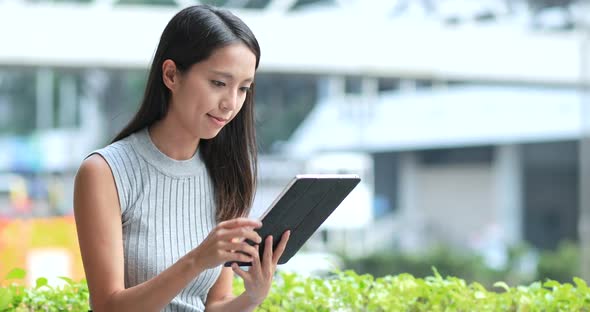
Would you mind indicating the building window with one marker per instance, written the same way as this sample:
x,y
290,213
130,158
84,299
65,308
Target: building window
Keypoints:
x,y
353,85
456,156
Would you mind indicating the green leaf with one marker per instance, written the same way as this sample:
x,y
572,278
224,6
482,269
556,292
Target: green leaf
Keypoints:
x,y
41,281
479,295
580,283
67,279
436,274
502,285
16,274
551,284
5,298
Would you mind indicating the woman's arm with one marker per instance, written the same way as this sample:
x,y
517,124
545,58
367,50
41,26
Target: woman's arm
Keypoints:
x,y
221,298
98,221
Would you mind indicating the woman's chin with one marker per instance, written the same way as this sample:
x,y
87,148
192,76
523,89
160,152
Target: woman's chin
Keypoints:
x,y
210,135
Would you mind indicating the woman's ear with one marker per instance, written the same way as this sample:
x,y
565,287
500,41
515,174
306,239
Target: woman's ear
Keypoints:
x,y
170,74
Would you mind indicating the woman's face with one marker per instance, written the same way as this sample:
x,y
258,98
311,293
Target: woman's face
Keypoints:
x,y
211,93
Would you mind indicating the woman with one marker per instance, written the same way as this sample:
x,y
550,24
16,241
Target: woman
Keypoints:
x,y
162,208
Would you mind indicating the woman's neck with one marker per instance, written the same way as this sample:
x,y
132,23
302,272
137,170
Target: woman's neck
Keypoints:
x,y
173,140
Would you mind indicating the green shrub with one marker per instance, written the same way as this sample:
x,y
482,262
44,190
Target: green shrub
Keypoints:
x,y
560,264
73,296
451,261
346,291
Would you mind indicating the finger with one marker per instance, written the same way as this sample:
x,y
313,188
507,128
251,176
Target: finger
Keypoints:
x,y
240,247
281,247
256,266
267,257
241,273
240,222
229,256
239,234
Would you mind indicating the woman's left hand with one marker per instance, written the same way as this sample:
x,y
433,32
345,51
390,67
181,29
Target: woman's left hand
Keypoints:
x,y
258,279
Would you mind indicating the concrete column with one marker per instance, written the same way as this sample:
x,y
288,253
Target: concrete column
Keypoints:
x,y
584,156
408,210
44,98
508,193
68,98
407,86
331,87
584,216
369,93
370,87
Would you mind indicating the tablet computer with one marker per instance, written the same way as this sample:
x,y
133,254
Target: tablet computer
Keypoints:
x,y
302,207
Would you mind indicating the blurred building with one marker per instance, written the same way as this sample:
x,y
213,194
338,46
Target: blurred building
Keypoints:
x,y
464,165
462,117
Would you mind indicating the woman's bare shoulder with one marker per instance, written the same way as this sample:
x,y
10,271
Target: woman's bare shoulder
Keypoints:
x,y
94,164
94,174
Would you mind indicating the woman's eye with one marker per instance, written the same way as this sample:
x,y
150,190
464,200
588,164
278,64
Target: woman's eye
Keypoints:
x,y
217,83
244,89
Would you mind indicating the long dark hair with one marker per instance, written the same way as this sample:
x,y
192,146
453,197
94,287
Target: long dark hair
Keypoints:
x,y
231,157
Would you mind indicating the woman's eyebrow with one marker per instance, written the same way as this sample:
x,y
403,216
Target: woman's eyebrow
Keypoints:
x,y
229,76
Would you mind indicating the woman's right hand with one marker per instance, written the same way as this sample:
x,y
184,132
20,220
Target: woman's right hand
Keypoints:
x,y
227,243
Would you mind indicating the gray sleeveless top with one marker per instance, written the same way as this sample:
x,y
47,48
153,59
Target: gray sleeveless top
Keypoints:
x,y
167,209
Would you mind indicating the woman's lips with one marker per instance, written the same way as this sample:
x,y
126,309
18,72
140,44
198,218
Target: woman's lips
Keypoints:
x,y
216,120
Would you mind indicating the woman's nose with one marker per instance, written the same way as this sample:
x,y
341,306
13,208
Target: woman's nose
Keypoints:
x,y
230,101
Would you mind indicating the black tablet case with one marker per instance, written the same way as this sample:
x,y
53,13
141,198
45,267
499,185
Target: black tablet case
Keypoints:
x,y
302,209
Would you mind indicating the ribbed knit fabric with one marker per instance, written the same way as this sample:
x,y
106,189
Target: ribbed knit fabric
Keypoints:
x,y
167,209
